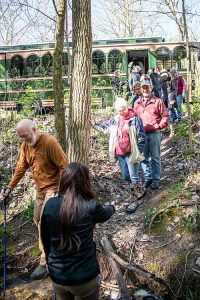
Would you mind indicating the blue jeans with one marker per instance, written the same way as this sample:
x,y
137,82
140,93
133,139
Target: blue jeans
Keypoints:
x,y
172,115
151,165
179,100
129,171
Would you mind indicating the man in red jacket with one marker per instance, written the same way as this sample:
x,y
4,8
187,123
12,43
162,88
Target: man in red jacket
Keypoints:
x,y
154,116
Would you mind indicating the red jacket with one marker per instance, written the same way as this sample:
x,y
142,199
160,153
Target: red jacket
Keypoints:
x,y
153,113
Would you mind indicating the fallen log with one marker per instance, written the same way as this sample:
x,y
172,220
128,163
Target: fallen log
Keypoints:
x,y
116,270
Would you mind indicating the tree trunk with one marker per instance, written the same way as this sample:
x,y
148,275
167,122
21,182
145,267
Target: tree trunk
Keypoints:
x,y
188,76
80,89
59,116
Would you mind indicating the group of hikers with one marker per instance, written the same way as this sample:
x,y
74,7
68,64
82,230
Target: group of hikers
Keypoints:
x,y
168,85
65,209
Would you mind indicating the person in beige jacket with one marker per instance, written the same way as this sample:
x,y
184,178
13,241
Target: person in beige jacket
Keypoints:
x,y
44,156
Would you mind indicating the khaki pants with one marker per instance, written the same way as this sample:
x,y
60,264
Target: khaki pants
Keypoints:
x,y
86,291
41,198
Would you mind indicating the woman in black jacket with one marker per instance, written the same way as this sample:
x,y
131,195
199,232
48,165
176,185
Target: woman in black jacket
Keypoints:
x,y
67,234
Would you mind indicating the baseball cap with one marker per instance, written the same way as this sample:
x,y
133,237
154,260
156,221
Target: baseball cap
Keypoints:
x,y
145,82
163,72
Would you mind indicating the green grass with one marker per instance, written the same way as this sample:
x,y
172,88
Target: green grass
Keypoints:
x,y
35,251
176,189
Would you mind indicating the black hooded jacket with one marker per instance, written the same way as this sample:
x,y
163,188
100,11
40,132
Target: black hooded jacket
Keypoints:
x,y
78,266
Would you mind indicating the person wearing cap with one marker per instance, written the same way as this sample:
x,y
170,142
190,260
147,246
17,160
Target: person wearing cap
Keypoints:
x,y
164,86
181,91
154,116
155,79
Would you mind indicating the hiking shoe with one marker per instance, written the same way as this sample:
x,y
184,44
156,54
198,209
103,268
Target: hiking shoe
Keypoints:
x,y
131,208
147,183
155,185
39,273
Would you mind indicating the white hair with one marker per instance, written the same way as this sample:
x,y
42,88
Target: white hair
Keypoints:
x,y
120,102
173,70
26,123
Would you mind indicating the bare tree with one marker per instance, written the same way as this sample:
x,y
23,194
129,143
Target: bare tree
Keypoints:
x,y
124,18
23,22
80,90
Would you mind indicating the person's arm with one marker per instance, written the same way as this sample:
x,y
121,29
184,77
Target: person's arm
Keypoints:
x,y
45,234
103,214
141,135
21,168
164,115
56,154
103,128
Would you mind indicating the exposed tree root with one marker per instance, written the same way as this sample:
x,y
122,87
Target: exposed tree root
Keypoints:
x,y
164,210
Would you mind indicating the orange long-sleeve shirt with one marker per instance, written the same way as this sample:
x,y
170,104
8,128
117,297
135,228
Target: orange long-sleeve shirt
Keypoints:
x,y
46,160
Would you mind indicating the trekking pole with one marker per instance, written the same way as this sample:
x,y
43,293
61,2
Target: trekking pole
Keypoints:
x,y
4,244
54,294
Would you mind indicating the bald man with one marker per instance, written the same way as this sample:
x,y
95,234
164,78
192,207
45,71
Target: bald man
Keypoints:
x,y
43,154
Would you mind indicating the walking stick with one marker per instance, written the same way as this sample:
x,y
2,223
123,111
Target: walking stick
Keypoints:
x,y
54,294
4,245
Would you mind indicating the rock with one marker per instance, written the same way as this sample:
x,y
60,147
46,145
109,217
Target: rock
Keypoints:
x,y
114,295
130,218
177,219
195,198
107,293
143,238
198,261
140,255
169,229
12,205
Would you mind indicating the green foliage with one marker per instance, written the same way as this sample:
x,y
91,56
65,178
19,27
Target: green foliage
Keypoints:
x,y
10,248
28,101
193,294
35,251
28,211
195,110
101,82
149,214
155,268
67,96
8,232
187,152
191,222
181,130
176,189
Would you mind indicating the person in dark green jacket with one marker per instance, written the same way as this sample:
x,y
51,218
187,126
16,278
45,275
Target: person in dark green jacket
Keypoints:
x,y
67,225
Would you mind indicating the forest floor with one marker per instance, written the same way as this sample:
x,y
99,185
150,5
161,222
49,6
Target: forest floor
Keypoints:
x,y
161,237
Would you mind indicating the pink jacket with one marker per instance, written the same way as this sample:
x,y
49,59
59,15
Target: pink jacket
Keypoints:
x,y
153,113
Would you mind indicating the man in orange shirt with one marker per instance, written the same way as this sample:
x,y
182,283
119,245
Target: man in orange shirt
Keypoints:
x,y
44,155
